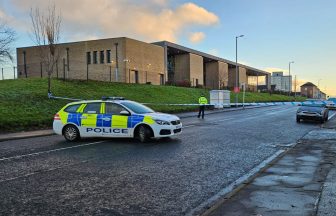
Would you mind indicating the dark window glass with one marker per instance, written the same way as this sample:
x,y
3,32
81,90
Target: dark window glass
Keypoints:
x,y
95,59
136,76
114,109
93,108
72,108
102,57
88,58
136,107
108,56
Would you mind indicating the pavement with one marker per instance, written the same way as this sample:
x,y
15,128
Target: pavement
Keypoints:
x,y
48,132
301,182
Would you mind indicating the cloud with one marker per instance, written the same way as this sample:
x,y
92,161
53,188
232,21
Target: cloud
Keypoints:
x,y
196,37
148,20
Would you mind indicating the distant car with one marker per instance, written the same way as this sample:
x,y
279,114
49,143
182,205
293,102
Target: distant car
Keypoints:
x,y
113,117
318,112
331,103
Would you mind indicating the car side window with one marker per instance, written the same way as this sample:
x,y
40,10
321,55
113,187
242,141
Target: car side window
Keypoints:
x,y
92,108
72,108
114,109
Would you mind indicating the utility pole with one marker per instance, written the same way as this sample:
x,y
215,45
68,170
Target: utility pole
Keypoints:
x,y
117,61
295,88
237,77
290,80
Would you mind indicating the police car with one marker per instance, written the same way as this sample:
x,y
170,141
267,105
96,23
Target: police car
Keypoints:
x,y
113,117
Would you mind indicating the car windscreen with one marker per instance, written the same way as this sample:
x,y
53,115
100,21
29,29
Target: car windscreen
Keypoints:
x,y
137,108
313,105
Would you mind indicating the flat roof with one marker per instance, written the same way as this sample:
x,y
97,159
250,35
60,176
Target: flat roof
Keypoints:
x,y
184,49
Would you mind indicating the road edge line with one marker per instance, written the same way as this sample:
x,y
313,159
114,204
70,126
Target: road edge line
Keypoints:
x,y
218,199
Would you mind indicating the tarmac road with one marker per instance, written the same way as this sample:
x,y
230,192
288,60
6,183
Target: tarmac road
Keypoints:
x,y
48,176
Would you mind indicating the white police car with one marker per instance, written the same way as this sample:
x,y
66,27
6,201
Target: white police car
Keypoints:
x,y
113,117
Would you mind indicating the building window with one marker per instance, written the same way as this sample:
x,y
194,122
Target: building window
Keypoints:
x,y
95,59
88,57
108,56
102,57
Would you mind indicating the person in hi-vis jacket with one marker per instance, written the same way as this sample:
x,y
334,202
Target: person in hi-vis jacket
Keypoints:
x,y
202,102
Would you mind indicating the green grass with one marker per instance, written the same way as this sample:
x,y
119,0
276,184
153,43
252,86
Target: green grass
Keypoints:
x,y
24,104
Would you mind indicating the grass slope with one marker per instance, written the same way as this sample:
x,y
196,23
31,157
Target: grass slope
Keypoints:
x,y
24,104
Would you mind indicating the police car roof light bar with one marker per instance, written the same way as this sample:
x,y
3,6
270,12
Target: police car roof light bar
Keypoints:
x,y
112,98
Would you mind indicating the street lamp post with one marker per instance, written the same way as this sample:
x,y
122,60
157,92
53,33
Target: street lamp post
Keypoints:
x,y
290,80
237,82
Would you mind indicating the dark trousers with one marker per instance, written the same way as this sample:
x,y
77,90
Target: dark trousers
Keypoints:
x,y
201,110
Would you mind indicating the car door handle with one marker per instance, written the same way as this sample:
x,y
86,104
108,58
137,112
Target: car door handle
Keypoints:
x,y
83,117
106,119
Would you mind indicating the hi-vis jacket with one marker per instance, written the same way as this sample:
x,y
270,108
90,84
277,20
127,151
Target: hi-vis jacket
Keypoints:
x,y
202,100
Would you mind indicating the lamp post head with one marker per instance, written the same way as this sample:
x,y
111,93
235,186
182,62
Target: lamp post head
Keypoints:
x,y
291,62
239,36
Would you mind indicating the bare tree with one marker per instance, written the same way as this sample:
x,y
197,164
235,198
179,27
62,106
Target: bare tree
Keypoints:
x,y
46,34
7,37
223,80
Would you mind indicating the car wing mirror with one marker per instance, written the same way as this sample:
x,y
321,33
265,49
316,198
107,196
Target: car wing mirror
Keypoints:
x,y
125,113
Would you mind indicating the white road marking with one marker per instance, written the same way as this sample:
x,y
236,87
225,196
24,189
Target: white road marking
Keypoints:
x,y
46,152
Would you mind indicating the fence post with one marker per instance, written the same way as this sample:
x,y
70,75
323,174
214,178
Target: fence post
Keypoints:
x,y
64,69
57,68
41,68
25,63
2,74
129,75
14,71
87,72
110,73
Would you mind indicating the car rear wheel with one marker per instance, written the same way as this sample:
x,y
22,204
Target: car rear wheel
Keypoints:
x,y
143,134
71,133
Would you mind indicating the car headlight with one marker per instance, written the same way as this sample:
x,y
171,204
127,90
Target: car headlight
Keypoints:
x,y
162,122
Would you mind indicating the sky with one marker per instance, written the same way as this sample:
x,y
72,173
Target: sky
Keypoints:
x,y
275,32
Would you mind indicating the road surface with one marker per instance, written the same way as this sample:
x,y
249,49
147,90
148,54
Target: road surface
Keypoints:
x,y
48,176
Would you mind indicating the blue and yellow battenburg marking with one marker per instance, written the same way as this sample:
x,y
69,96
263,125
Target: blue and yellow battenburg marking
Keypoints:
x,y
104,120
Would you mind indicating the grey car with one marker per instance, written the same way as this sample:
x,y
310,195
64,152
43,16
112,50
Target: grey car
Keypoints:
x,y
318,112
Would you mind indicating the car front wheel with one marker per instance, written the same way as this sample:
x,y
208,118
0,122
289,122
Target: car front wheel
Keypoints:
x,y
71,133
298,119
143,133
